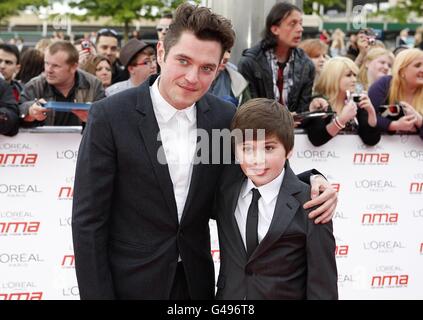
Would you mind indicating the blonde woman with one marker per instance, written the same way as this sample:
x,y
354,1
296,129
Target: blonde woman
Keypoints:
x,y
377,63
337,47
336,83
404,87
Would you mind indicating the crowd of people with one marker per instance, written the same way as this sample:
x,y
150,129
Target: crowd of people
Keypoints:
x,y
303,75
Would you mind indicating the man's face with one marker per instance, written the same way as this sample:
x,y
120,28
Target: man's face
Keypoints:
x,y
262,160
290,30
8,66
57,71
144,66
107,46
189,69
162,27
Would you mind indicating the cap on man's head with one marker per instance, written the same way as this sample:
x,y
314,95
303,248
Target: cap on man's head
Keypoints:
x,y
130,49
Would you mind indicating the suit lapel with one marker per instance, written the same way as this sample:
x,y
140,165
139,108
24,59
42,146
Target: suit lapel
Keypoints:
x,y
285,210
230,224
203,123
149,130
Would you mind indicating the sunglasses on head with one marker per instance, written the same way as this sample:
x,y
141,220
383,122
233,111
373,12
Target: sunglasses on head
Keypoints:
x,y
107,31
390,110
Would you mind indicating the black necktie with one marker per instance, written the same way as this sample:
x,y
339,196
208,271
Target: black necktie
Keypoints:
x,y
251,235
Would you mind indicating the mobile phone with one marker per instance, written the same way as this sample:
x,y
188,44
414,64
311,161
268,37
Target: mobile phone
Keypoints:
x,y
356,97
85,45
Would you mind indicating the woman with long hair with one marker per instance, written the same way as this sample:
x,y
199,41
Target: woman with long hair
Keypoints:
x,y
377,63
100,67
336,84
405,89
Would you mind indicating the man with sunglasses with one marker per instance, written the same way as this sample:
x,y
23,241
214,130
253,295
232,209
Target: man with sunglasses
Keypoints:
x,y
139,59
107,44
163,25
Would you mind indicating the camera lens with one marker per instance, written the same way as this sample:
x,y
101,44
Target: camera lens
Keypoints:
x,y
356,98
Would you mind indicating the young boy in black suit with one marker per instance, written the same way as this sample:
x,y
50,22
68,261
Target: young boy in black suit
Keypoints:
x,y
269,249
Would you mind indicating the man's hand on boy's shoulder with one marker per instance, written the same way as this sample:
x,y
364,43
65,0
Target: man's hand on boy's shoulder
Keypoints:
x,y
324,197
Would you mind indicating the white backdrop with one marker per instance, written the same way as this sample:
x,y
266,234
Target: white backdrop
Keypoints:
x,y
377,225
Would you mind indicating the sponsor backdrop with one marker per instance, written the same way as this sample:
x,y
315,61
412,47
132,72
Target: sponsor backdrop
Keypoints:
x,y
377,224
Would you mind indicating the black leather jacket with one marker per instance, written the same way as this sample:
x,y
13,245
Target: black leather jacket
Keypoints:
x,y
9,116
255,68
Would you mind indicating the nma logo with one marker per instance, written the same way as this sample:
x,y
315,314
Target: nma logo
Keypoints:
x,y
371,158
18,159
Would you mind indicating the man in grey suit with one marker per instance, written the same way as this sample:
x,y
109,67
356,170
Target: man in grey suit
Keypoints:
x,y
140,226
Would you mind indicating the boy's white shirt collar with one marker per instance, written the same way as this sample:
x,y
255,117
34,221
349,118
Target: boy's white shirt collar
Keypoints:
x,y
269,191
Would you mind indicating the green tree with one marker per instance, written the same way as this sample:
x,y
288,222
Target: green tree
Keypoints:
x,y
402,10
10,8
308,5
124,11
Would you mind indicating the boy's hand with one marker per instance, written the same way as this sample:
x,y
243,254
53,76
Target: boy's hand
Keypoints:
x,y
327,200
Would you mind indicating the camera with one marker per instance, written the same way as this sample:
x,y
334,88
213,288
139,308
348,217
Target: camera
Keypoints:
x,y
356,97
372,41
3,116
85,45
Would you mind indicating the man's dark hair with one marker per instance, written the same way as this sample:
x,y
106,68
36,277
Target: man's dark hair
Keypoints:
x,y
167,15
107,32
266,114
279,12
12,49
203,23
66,46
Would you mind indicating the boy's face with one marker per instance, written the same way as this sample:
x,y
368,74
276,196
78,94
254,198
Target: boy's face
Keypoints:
x,y
262,160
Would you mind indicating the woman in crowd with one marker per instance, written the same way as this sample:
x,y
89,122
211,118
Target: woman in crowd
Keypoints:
x,y
336,84
99,66
377,63
316,50
404,88
32,65
337,47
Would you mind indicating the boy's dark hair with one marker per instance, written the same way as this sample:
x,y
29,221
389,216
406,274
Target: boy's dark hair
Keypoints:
x,y
276,15
11,48
267,114
203,23
65,46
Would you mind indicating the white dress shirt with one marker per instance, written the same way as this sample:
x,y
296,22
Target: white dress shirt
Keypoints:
x,y
266,205
178,132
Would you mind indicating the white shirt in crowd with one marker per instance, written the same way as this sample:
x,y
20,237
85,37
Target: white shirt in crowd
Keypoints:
x,y
266,205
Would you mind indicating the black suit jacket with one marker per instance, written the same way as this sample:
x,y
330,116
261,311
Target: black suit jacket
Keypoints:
x,y
126,234
296,258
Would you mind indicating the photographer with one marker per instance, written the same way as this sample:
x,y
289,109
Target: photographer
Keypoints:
x,y
9,116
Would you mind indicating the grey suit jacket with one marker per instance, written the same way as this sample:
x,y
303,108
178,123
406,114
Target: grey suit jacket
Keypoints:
x,y
296,258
